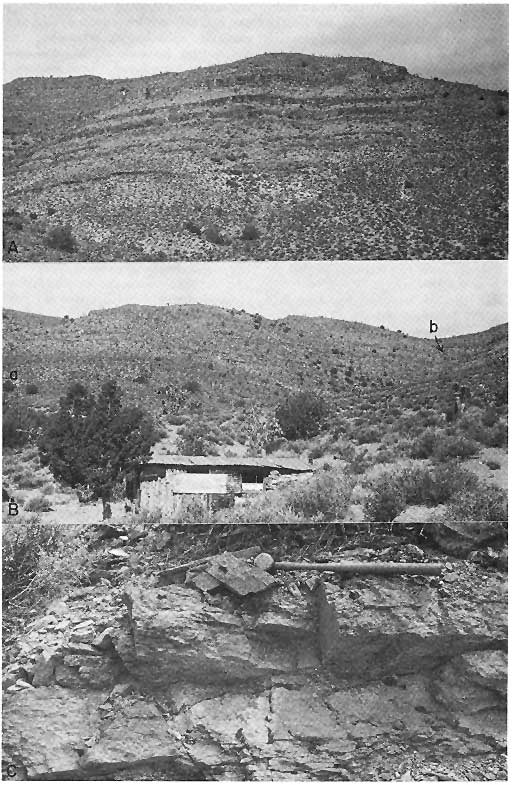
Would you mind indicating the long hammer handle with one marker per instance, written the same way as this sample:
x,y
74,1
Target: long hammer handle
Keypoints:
x,y
370,568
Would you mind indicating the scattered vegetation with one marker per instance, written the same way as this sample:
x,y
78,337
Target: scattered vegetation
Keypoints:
x,y
61,238
254,201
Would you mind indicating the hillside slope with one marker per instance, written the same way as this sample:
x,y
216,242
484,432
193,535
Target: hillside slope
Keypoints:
x,y
279,156
232,360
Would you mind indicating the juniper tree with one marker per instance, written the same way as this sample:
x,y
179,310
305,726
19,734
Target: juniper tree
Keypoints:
x,y
96,442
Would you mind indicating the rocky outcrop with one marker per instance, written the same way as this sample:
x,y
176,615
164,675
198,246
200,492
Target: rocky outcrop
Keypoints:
x,y
402,626
365,680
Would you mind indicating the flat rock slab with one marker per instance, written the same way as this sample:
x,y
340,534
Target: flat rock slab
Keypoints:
x,y
238,576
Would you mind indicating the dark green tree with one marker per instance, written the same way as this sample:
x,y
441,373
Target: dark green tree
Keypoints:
x,y
301,415
96,442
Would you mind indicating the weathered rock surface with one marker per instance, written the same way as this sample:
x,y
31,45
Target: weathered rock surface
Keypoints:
x,y
375,629
374,679
174,635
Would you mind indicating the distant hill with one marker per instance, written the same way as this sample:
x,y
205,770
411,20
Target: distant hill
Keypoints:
x,y
279,156
228,360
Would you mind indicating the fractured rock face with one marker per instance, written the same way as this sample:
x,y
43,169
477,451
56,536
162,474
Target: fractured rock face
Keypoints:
x,y
174,635
185,689
44,730
404,627
473,688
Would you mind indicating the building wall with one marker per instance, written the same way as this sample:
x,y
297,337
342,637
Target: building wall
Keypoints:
x,y
167,493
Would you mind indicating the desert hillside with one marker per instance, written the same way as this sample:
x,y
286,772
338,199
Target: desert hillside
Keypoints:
x,y
227,360
279,156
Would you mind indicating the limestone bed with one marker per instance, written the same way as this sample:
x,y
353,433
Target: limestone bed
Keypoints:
x,y
363,679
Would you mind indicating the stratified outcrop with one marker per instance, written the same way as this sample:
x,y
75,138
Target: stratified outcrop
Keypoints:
x,y
278,156
373,679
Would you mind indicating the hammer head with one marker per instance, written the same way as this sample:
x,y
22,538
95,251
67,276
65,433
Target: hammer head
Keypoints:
x,y
264,561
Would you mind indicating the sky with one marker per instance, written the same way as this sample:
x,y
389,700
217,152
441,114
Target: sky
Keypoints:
x,y
460,297
458,42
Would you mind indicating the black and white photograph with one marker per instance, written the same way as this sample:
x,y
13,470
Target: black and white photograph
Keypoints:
x,y
254,392
354,414
163,132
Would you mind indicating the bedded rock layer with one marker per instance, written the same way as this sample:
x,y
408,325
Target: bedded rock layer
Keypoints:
x,y
375,679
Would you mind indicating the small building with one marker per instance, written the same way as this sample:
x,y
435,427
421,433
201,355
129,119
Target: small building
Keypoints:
x,y
215,481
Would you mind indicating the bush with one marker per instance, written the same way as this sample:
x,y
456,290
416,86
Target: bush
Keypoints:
x,y
301,415
21,549
423,446
481,503
268,508
192,386
493,465
191,510
12,434
250,232
177,419
497,436
61,238
490,417
38,503
316,452
394,490
323,497
456,446
196,439
31,389
213,235
366,434
192,227
8,386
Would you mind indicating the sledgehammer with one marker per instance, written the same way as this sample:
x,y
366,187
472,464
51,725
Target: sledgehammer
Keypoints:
x,y
265,562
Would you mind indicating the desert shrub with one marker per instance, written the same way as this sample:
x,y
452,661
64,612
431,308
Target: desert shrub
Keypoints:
x,y
61,238
384,456
177,419
269,508
497,436
493,465
213,235
323,497
31,389
192,227
454,446
12,436
316,452
21,549
393,491
192,386
359,463
196,438
250,232
33,216
8,386
191,510
482,502
38,503
25,478
490,417
423,446
51,211
301,415
366,434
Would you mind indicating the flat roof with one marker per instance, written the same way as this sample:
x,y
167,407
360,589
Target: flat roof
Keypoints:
x,y
290,464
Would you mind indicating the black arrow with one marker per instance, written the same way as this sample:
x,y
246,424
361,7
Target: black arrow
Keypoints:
x,y
439,344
